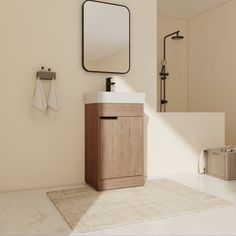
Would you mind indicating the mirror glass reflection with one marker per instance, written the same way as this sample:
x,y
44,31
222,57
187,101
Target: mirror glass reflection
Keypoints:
x,y
106,37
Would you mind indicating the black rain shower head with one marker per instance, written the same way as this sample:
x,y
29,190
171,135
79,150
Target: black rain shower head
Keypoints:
x,y
177,36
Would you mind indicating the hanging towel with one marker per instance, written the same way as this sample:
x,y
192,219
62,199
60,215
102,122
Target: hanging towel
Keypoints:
x,y
202,158
201,161
39,100
53,97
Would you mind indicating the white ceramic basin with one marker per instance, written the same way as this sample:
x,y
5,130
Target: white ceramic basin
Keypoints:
x,y
114,97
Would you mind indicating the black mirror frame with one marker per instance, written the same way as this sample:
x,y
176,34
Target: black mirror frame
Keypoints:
x,y
83,64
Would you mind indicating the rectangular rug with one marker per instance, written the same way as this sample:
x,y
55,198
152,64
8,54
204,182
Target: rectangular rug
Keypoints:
x,y
85,209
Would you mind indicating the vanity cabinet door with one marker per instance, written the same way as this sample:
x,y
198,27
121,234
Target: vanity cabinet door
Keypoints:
x,y
121,147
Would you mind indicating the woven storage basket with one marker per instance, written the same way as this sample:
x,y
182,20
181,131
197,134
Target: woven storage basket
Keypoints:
x,y
221,164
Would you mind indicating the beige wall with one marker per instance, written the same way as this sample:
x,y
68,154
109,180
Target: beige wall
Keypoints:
x,y
179,137
44,150
212,70
177,62
179,140
174,141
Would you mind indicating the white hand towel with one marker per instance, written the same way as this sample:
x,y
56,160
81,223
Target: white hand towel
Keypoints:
x,y
39,100
201,161
53,98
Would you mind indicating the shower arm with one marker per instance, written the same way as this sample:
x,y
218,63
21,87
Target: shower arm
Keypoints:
x,y
167,36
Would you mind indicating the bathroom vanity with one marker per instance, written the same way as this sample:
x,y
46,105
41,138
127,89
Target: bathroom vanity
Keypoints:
x,y
113,120
114,155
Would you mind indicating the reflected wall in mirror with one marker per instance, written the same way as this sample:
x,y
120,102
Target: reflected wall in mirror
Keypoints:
x,y
106,37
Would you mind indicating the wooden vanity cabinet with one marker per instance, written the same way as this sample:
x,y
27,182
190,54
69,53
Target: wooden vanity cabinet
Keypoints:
x,y
114,145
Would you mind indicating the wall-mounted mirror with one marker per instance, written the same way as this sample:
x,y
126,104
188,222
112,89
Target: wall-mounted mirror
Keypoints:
x,y
106,37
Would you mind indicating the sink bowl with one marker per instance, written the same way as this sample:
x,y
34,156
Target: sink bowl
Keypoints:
x,y
114,97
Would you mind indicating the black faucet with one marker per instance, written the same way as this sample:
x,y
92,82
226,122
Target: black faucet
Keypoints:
x,y
109,84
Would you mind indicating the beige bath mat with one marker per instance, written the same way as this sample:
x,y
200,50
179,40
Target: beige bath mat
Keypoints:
x,y
86,210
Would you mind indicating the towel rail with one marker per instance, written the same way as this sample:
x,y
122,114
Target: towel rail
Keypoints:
x,y
46,75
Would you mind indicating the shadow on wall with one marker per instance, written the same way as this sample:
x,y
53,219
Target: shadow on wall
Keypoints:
x,y
173,141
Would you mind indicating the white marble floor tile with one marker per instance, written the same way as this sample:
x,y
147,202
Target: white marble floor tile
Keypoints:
x,y
32,213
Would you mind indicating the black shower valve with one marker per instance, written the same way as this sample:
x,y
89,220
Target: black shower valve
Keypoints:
x,y
163,78
164,74
164,101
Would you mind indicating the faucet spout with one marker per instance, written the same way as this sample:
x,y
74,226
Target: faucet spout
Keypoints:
x,y
109,84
